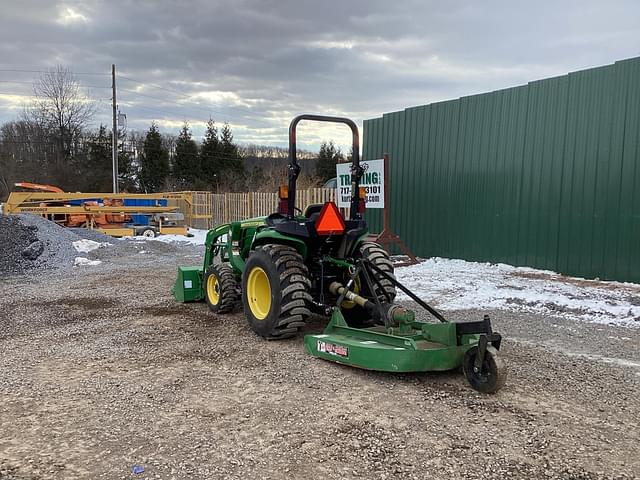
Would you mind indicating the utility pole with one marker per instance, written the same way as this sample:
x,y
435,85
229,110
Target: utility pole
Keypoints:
x,y
114,136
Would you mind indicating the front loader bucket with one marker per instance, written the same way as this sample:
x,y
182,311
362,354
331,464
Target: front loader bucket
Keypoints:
x,y
188,286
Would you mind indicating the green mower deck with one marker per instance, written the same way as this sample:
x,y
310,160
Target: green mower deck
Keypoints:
x,y
421,347
404,344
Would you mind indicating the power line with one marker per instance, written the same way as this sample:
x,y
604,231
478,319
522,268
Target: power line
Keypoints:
x,y
50,71
239,116
155,86
154,110
97,100
174,112
89,142
49,142
31,83
145,95
15,81
206,110
182,94
167,113
17,94
134,105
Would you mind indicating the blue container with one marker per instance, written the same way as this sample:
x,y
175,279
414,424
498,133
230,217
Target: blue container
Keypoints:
x,y
142,202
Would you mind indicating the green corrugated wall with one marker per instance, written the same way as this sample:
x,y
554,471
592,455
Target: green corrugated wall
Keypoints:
x,y
544,175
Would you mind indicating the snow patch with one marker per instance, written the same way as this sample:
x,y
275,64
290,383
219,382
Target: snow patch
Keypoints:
x,y
459,285
86,246
83,261
198,237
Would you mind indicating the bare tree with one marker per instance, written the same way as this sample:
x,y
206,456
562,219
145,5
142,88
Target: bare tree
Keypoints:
x,y
24,153
63,110
60,103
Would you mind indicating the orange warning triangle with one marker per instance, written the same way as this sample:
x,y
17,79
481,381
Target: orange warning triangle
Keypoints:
x,y
330,221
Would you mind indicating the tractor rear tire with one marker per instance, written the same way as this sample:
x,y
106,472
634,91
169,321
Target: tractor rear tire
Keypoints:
x,y
355,315
221,289
275,291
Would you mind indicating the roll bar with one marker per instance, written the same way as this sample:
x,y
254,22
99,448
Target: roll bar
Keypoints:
x,y
294,166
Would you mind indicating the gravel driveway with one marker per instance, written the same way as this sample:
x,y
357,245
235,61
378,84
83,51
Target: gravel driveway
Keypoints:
x,y
101,371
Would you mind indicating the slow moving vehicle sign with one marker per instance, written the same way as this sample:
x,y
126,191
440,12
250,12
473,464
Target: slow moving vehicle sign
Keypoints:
x,y
372,180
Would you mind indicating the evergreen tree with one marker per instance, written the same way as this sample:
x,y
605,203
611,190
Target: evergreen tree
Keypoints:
x,y
186,165
127,172
231,161
97,169
154,162
256,179
209,152
327,158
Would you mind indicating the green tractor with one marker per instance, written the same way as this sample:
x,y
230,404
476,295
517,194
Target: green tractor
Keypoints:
x,y
285,267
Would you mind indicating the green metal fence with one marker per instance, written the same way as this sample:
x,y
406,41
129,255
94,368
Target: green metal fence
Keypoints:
x,y
544,175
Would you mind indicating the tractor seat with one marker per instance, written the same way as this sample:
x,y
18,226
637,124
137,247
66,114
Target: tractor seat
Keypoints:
x,y
313,208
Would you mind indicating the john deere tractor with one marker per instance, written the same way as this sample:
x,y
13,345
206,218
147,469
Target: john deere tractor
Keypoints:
x,y
282,268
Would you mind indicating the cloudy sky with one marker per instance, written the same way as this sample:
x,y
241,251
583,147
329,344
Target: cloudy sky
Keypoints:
x,y
257,63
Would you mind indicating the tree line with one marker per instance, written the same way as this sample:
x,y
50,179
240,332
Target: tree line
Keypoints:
x,y
53,143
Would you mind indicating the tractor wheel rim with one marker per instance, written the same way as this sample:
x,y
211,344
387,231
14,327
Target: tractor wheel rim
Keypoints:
x,y
213,289
259,293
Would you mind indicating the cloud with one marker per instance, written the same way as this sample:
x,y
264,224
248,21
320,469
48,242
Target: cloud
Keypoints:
x,y
13,102
257,63
69,16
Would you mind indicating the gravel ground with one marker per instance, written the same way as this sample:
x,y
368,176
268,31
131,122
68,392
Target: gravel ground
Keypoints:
x,y
101,371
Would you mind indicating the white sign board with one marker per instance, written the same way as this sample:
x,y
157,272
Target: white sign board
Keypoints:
x,y
372,180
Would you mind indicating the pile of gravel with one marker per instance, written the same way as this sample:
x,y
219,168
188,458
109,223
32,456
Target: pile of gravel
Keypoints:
x,y
88,234
32,244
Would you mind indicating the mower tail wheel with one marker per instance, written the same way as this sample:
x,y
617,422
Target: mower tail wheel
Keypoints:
x,y
221,288
491,376
275,291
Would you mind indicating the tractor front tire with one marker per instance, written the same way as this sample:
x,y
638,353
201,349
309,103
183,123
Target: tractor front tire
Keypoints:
x,y
221,288
355,315
275,291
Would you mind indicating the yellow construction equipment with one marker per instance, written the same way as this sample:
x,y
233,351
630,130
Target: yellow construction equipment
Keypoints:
x,y
117,214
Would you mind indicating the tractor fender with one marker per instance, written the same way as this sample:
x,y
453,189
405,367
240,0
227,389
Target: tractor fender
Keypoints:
x,y
351,249
269,236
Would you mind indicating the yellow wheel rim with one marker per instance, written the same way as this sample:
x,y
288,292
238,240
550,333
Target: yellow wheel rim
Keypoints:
x,y
213,289
259,293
